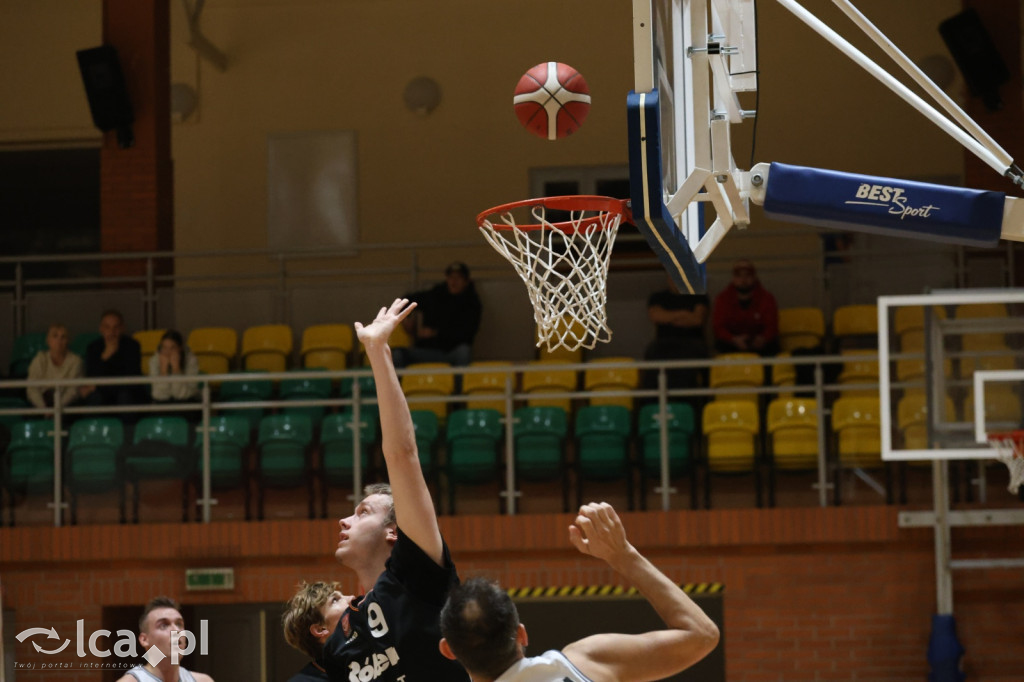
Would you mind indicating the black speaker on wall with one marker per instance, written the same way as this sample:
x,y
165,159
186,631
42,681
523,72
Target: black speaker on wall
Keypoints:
x,y
109,103
974,52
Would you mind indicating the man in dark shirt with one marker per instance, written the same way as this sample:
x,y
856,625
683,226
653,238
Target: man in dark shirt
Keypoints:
x,y
445,322
679,321
114,354
393,544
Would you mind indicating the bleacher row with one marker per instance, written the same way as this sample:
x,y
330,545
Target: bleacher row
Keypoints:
x,y
461,437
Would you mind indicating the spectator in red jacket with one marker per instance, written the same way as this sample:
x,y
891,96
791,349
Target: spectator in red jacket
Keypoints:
x,y
745,317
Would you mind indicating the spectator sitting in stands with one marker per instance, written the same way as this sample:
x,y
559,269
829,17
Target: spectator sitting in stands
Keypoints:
x,y
114,354
56,363
679,321
445,321
745,317
172,357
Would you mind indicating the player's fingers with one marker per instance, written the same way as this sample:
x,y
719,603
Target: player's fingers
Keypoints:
x,y
584,524
577,540
409,307
358,326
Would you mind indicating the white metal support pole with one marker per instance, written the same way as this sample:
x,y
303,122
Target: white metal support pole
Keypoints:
x,y
943,572
205,501
915,72
357,460
510,450
58,480
663,438
897,87
819,398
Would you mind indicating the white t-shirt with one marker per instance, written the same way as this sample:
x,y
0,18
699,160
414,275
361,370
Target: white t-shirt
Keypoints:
x,y
551,666
142,675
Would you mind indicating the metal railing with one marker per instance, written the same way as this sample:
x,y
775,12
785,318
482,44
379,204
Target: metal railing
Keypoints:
x,y
207,405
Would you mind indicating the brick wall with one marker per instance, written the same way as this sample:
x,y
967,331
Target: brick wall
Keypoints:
x,y
136,184
810,594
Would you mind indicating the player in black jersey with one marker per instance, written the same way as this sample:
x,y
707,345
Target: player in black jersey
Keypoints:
x,y
393,544
481,625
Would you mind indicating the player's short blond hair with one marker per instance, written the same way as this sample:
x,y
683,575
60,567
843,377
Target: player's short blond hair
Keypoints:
x,y
303,611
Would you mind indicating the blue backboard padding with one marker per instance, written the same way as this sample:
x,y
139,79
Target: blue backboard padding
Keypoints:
x,y
647,199
887,206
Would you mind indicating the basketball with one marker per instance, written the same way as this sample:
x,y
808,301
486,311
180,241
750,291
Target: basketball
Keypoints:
x,y
552,100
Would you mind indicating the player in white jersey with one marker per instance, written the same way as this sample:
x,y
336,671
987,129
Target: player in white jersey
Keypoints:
x,y
480,625
161,617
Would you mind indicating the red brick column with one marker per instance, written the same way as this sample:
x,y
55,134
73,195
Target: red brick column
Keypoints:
x,y
136,184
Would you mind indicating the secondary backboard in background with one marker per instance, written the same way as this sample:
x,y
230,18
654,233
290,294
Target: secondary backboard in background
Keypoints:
x,y
963,350
691,57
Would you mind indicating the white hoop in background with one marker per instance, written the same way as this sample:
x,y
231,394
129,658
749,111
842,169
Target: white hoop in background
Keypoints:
x,y
1009,450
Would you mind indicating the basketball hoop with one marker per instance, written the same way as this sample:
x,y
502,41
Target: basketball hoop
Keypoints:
x,y
1009,447
564,264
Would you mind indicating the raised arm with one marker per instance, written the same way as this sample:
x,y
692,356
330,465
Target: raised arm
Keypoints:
x,y
690,636
414,510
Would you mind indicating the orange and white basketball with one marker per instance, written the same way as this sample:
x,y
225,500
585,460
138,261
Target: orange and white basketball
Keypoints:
x,y
552,100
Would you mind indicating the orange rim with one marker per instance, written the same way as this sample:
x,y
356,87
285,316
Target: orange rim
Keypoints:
x,y
582,202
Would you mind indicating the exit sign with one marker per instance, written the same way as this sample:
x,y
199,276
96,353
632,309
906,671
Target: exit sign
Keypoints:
x,y
209,579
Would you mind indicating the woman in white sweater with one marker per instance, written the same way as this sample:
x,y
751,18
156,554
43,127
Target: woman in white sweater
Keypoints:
x,y
56,363
173,358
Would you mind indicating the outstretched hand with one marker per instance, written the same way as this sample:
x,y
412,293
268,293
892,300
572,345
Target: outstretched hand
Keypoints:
x,y
598,531
378,331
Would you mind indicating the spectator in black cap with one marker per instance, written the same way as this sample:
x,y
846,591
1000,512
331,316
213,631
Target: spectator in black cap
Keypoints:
x,y
445,321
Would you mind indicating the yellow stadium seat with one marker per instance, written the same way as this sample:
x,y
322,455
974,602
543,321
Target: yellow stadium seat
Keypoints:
x,y
267,347
149,343
911,318
326,345
858,371
430,384
793,426
912,421
987,340
599,379
855,320
1002,406
913,369
783,375
856,423
733,376
731,428
970,365
214,348
539,379
491,384
800,328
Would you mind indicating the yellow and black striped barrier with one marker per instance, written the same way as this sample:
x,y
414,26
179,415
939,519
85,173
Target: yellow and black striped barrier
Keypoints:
x,y
589,591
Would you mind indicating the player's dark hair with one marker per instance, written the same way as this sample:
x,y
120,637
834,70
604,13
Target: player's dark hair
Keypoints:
x,y
382,489
112,312
156,603
480,622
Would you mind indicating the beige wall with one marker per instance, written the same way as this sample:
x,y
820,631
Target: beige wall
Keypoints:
x,y
307,65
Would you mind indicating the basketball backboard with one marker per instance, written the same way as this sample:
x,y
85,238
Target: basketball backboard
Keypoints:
x,y
690,58
958,349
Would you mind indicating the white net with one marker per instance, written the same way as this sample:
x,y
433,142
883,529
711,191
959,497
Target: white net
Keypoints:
x,y
565,268
1008,451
